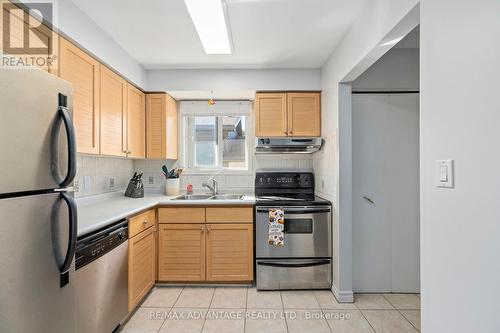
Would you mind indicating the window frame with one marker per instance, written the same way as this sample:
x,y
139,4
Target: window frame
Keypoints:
x,y
220,109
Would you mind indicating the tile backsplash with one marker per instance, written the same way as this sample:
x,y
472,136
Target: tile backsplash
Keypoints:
x,y
99,174
154,181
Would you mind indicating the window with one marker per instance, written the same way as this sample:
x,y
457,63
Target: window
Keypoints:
x,y
215,137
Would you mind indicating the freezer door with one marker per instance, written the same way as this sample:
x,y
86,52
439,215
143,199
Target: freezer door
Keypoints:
x,y
34,237
34,131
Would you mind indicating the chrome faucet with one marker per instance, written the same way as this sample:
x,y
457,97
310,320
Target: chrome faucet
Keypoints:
x,y
214,188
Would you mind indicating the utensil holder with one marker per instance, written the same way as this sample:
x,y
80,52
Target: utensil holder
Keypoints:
x,y
172,187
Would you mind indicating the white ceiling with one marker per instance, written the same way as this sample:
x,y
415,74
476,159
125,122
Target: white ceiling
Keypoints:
x,y
265,33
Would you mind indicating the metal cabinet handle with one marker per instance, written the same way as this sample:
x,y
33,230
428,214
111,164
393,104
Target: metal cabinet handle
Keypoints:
x,y
369,199
208,228
202,228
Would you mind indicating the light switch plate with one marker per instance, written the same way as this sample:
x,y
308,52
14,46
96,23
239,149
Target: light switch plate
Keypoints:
x,y
111,183
151,180
445,174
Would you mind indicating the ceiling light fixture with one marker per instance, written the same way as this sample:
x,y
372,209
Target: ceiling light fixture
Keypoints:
x,y
209,19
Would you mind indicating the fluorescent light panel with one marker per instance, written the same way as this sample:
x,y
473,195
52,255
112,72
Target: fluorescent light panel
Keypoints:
x,y
210,23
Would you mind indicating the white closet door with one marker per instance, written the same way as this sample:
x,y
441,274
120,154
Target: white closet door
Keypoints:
x,y
385,159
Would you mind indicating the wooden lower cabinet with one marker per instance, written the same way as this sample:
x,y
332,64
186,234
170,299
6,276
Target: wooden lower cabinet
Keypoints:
x,y
181,252
229,249
141,265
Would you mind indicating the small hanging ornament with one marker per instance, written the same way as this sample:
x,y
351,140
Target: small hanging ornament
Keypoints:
x,y
211,100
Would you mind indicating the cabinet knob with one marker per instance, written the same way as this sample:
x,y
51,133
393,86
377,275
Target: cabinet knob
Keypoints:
x,y
208,229
145,222
202,229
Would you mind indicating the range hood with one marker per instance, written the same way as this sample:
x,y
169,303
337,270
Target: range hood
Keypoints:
x,y
288,145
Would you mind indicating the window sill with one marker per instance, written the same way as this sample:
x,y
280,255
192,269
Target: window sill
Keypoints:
x,y
215,172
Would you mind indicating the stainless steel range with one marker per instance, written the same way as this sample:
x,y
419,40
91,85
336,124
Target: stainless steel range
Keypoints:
x,y
304,261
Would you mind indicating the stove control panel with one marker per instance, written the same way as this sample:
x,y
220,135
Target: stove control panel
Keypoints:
x,y
283,179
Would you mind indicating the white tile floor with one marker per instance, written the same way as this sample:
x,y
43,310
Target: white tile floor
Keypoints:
x,y
241,309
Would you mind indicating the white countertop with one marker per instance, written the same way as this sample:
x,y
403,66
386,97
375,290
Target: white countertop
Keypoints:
x,y
98,211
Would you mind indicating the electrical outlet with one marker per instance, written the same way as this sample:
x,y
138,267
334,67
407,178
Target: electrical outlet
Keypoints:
x,y
151,180
111,182
76,186
86,182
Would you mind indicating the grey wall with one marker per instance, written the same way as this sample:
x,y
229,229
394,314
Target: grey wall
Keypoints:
x,y
396,70
366,41
459,119
234,79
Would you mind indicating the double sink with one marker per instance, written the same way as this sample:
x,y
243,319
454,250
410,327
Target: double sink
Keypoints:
x,y
210,197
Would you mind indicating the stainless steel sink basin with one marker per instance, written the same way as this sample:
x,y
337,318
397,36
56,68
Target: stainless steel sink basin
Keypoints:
x,y
227,197
209,197
193,197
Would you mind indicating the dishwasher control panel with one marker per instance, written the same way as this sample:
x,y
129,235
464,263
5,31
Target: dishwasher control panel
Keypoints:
x,y
95,245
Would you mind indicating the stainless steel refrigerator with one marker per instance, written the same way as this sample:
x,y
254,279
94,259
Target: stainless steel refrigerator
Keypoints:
x,y
38,220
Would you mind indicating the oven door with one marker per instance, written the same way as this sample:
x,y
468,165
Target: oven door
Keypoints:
x,y
307,233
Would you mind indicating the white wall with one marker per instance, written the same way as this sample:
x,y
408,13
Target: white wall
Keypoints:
x,y
79,27
397,70
359,49
234,79
460,117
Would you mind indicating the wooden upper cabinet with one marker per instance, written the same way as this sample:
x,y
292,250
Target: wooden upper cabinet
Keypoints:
x,y
229,252
113,97
287,114
304,115
181,252
270,114
161,127
136,121
82,71
141,265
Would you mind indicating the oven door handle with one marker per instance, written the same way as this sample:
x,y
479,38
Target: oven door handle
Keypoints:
x,y
294,264
296,211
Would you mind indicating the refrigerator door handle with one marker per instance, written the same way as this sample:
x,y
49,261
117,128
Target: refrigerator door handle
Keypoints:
x,y
70,253
70,132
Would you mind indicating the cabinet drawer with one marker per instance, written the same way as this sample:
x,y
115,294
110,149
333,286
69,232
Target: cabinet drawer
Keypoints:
x,y
181,215
141,222
229,215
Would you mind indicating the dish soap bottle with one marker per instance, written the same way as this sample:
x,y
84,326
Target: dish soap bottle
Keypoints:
x,y
189,187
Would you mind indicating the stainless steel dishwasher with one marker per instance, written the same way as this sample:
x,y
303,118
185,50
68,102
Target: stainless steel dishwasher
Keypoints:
x,y
102,279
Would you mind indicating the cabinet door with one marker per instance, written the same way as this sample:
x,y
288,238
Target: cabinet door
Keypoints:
x,y
229,252
155,126
181,254
141,266
171,128
161,126
270,114
136,121
82,71
113,117
304,115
